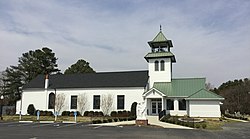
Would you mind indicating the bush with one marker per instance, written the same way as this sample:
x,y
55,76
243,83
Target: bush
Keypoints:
x,y
91,113
110,120
197,125
100,114
105,121
31,109
133,109
86,113
72,113
116,120
65,113
49,113
98,121
113,114
94,122
204,125
119,114
96,113
10,111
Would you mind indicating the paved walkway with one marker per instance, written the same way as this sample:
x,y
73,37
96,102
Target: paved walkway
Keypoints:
x,y
152,120
244,121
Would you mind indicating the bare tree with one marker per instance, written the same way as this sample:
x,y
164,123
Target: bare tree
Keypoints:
x,y
82,102
106,103
209,86
59,102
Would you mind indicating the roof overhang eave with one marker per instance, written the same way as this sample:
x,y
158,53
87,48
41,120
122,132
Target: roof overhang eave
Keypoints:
x,y
205,99
145,93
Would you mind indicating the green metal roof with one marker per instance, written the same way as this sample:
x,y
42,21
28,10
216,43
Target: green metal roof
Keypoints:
x,y
180,87
204,94
160,37
160,41
191,88
160,55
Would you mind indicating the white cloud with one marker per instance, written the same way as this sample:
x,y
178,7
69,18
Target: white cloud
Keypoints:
x,y
210,38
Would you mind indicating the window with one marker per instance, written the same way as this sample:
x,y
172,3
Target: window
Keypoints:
x,y
156,65
182,104
162,65
73,102
120,102
170,104
96,102
51,101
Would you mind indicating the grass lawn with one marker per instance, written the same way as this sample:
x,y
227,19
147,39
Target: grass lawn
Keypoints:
x,y
52,118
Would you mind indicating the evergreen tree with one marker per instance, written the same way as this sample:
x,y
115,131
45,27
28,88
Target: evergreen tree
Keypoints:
x,y
236,94
29,66
81,66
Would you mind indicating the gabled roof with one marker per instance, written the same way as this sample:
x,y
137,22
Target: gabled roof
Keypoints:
x,y
92,80
160,55
182,87
204,94
160,37
188,88
160,41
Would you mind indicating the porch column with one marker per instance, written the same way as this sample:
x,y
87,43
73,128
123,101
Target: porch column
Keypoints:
x,y
176,105
146,104
163,103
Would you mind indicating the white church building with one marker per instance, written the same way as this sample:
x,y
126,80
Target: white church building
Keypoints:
x,y
155,86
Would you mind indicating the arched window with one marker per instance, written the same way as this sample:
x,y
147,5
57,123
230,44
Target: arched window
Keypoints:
x,y
162,65
51,100
156,65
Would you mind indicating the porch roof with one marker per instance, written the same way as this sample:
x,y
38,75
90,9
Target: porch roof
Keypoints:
x,y
190,88
204,94
183,87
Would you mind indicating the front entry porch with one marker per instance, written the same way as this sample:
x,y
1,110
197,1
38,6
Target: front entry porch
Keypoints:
x,y
157,101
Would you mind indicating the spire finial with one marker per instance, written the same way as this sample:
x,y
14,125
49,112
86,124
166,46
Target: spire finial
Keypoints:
x,y
160,27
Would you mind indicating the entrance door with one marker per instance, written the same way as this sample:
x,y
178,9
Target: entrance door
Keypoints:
x,y
156,106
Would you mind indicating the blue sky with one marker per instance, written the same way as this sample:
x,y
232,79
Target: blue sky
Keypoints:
x,y
211,38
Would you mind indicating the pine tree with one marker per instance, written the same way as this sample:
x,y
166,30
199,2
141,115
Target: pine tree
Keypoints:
x,y
81,66
29,66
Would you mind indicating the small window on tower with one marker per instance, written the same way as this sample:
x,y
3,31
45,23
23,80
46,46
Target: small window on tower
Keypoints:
x,y
156,65
162,65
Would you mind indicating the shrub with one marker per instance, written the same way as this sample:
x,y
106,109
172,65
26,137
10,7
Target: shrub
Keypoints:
x,y
49,113
91,113
10,111
86,113
72,113
116,120
96,113
105,121
132,118
197,125
119,114
65,113
94,122
110,120
98,121
133,109
31,109
113,114
204,125
100,114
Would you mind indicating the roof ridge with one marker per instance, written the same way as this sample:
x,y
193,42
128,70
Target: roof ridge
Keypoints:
x,y
210,92
186,78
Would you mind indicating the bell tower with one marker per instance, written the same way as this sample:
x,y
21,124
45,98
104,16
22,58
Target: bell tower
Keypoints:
x,y
160,59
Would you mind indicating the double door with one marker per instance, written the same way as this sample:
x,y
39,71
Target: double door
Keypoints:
x,y
156,106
